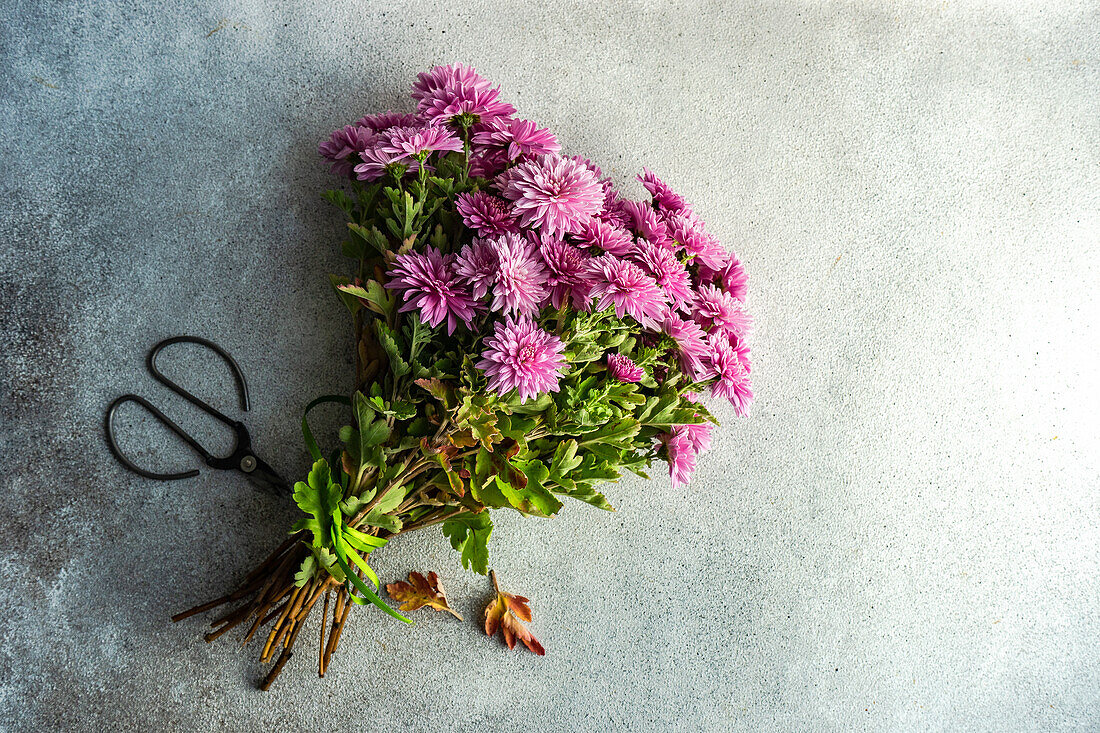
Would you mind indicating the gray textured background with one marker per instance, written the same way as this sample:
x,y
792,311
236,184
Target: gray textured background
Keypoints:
x,y
904,536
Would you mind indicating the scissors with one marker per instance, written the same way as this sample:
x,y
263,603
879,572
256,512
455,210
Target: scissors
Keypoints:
x,y
242,459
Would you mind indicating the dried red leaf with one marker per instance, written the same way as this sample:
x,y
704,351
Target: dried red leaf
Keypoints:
x,y
505,613
419,592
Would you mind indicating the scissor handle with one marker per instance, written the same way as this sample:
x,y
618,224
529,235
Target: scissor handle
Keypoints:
x,y
167,422
238,376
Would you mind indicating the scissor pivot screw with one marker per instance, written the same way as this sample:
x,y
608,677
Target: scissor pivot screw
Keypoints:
x,y
248,464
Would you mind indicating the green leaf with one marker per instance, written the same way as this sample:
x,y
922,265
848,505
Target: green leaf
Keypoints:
x,y
376,519
390,500
326,559
372,429
418,336
340,199
469,534
387,337
306,571
533,498
565,458
589,495
351,505
618,433
372,295
369,238
315,497
439,389
347,292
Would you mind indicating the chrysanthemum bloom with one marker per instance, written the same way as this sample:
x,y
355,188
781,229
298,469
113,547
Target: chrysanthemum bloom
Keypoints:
x,y
691,345
523,357
415,141
732,278
661,264
385,120
733,377
609,238
520,284
377,163
689,231
715,308
612,212
476,265
343,145
446,92
625,286
663,196
487,162
623,369
699,433
517,137
552,193
567,273
426,281
486,214
680,455
646,224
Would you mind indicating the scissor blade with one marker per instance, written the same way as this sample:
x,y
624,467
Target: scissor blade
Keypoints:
x,y
264,477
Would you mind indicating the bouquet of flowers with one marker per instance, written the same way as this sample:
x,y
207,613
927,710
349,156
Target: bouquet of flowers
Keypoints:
x,y
523,334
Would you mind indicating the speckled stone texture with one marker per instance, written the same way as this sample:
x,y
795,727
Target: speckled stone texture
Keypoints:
x,y
905,535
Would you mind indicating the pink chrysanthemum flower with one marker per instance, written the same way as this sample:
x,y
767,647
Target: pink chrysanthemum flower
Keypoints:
x,y
729,367
476,265
568,276
623,369
486,214
663,196
689,231
385,120
699,433
377,163
612,212
609,238
448,91
520,284
415,141
552,193
732,278
426,281
487,162
523,357
644,222
625,286
669,272
680,454
716,309
517,137
709,252
691,345
343,145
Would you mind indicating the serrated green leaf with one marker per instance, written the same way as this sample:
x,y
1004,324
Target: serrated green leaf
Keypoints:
x,y
469,534
617,434
565,458
306,571
589,495
387,337
373,430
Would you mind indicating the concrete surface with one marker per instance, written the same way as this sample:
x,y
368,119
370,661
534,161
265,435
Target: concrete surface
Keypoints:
x,y
904,536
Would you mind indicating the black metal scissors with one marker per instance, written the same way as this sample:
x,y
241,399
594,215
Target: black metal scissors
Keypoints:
x,y
241,459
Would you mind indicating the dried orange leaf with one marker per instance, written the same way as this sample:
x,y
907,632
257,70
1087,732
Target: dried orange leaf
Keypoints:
x,y
505,613
419,592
